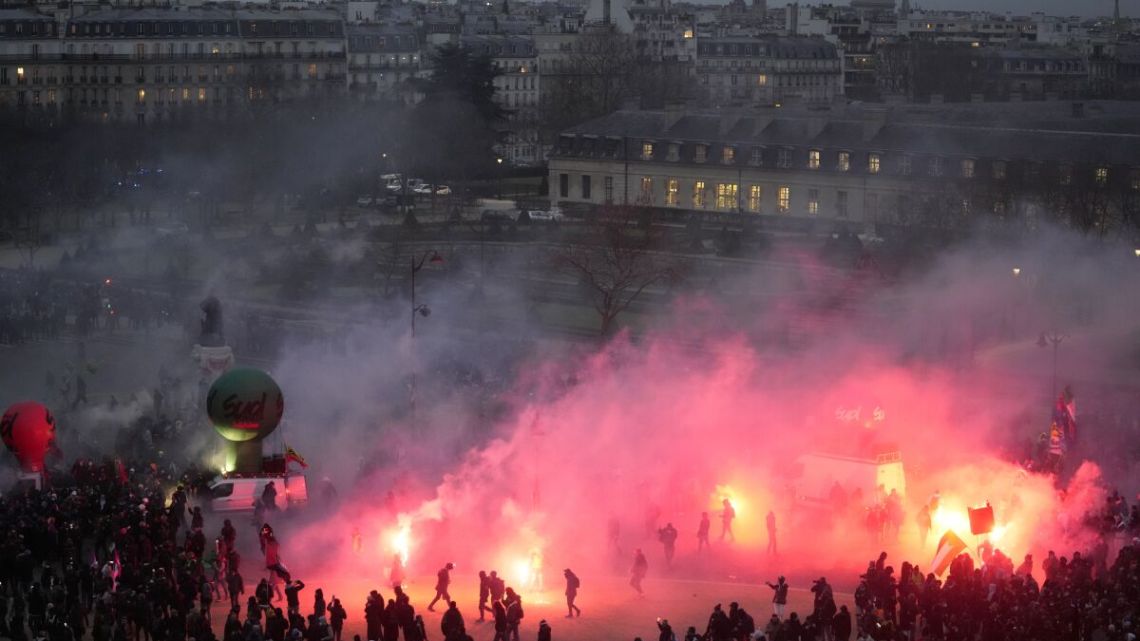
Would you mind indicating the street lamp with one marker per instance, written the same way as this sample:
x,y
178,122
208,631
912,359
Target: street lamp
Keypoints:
x,y
499,175
417,263
1055,339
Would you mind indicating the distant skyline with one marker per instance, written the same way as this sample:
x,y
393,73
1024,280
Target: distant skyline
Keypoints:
x,y
1086,8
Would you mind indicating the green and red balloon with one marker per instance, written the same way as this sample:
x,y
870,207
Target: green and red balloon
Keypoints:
x,y
245,404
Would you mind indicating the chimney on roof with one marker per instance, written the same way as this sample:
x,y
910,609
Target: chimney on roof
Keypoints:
x,y
674,111
874,122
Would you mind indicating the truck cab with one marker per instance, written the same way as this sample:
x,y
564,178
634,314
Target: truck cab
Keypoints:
x,y
239,493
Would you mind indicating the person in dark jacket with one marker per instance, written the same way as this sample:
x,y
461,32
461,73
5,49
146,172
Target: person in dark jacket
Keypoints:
x,y
451,624
572,585
443,580
841,624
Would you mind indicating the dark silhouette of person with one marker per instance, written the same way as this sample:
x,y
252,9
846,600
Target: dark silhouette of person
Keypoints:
x,y
703,532
451,624
443,580
727,514
638,571
484,594
572,585
668,537
779,596
269,497
499,612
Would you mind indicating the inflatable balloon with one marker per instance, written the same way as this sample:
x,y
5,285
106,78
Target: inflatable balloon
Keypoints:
x,y
28,430
245,404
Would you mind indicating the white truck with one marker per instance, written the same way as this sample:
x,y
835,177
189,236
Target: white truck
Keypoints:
x,y
239,493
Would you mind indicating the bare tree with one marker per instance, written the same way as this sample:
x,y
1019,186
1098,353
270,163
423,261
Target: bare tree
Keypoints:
x,y
616,261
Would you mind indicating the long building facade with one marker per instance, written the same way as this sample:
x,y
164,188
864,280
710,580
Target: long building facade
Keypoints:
x,y
151,65
860,165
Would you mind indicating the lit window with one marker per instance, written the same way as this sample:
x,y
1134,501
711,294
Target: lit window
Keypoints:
x,y
141,96
813,201
312,72
201,94
20,74
968,168
999,170
647,150
726,196
784,200
755,196
672,189
813,159
874,163
762,80
727,155
844,161
699,194
1101,176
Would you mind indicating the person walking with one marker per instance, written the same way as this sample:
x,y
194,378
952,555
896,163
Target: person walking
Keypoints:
x,y
572,585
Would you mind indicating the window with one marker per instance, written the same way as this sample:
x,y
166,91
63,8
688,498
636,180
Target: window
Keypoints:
x,y
701,153
999,170
966,206
844,161
1065,174
968,168
841,204
757,158
872,206
586,187
755,196
904,165
141,97
699,194
647,150
201,94
726,195
1101,176
728,155
1134,179
608,189
813,159
646,190
762,80
783,159
784,198
672,187
563,185
674,152
813,201
935,166
874,163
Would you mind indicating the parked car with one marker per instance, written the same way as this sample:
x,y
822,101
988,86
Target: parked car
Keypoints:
x,y
536,215
442,190
238,494
423,190
365,201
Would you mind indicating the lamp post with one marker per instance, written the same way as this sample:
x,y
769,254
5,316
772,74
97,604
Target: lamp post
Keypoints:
x,y
1055,339
421,309
499,175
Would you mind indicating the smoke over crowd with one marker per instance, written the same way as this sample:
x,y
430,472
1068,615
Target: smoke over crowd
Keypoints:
x,y
601,447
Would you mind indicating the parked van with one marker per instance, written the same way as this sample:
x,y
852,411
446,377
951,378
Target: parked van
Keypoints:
x,y
238,494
